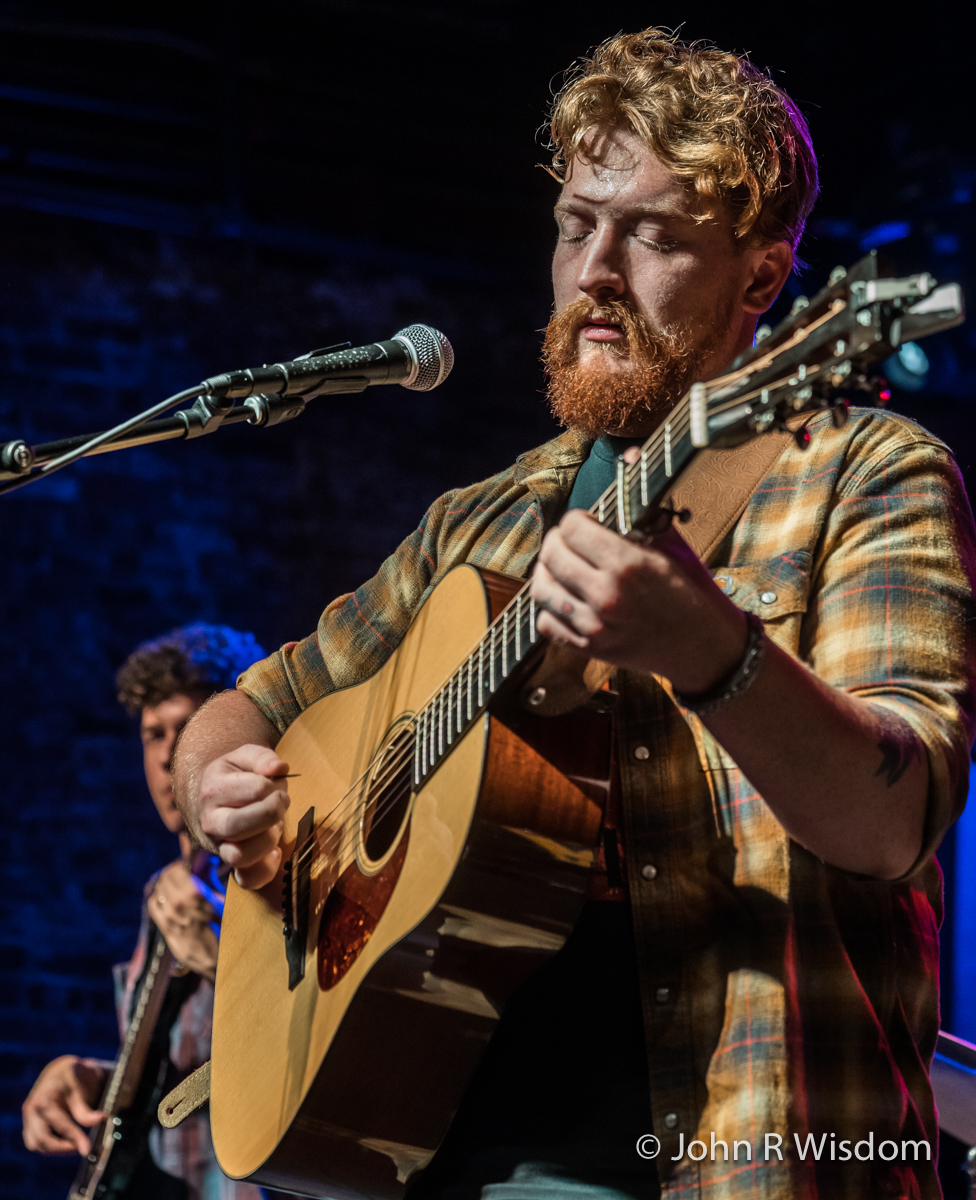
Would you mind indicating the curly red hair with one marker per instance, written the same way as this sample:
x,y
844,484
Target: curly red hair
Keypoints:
x,y
711,117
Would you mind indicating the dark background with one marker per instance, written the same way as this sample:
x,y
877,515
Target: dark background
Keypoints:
x,y
187,188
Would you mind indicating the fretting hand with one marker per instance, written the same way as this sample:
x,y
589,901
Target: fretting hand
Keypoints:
x,y
58,1108
649,607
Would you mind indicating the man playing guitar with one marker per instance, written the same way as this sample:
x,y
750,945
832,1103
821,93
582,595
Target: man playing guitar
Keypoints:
x,y
794,715
163,682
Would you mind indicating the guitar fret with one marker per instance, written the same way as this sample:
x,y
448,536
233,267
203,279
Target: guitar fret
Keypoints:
x,y
432,739
460,697
416,756
518,627
440,723
481,672
532,631
667,455
470,682
450,708
491,662
643,475
504,643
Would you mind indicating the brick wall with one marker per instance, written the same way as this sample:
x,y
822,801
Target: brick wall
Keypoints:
x,y
256,528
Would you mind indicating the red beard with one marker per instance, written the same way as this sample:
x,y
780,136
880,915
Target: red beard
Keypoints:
x,y
586,396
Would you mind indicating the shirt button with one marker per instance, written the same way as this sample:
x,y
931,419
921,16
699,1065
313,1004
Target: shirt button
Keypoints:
x,y
649,871
662,995
671,1121
768,597
642,753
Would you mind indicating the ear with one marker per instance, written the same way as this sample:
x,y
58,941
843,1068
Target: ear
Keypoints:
x,y
771,266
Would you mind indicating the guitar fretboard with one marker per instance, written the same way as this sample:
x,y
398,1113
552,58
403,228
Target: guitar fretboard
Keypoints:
x,y
119,1075
511,637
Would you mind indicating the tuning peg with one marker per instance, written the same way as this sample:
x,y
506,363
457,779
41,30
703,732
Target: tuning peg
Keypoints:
x,y
802,437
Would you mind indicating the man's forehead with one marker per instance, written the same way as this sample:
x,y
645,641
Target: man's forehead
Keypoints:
x,y
174,708
618,170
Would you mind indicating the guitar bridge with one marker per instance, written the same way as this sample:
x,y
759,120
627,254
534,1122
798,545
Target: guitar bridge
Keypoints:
x,y
295,899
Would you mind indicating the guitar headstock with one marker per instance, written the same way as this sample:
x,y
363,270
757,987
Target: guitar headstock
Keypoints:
x,y
824,354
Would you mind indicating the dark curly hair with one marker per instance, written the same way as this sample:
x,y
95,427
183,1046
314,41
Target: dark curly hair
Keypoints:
x,y
711,117
196,660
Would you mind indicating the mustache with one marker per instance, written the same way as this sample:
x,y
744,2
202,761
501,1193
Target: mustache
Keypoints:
x,y
583,396
561,334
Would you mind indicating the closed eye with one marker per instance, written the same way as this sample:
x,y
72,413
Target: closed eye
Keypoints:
x,y
660,247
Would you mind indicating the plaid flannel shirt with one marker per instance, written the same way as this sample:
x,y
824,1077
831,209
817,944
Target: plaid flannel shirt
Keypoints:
x,y
782,996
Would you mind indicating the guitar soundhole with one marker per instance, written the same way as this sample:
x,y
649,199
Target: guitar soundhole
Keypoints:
x,y
387,794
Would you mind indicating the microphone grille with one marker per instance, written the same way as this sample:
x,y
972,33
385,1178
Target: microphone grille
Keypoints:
x,y
435,356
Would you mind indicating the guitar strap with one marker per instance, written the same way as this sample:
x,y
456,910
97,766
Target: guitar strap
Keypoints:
x,y
715,488
719,484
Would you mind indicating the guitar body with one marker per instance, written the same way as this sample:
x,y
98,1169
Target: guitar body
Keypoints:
x,y
414,915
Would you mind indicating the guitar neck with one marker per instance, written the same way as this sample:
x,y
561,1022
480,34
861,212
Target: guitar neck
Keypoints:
x,y
512,638
132,1055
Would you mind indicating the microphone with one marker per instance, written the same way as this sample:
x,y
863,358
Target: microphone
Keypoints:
x,y
417,357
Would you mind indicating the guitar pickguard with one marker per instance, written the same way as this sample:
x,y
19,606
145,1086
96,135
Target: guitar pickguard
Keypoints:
x,y
352,913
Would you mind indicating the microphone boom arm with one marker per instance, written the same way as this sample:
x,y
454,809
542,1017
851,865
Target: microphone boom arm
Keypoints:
x,y
418,358
21,463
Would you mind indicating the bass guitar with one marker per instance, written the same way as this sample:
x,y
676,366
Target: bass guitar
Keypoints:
x,y
441,834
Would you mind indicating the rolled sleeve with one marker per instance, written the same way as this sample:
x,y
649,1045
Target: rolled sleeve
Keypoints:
x,y
893,614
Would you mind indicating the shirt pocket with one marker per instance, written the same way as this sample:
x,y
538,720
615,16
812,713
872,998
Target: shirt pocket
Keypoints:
x,y
777,591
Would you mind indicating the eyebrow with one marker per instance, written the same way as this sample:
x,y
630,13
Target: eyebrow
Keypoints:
x,y
651,209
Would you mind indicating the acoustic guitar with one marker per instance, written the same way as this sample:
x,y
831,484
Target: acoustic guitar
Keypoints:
x,y
441,834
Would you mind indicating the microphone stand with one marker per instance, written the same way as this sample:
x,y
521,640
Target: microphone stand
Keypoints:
x,y
21,464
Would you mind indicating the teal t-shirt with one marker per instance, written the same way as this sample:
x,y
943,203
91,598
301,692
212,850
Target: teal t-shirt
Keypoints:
x,y
599,470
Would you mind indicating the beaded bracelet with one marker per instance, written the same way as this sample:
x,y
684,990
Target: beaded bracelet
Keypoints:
x,y
736,683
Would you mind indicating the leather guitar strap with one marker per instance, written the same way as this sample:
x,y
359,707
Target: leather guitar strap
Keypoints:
x,y
719,484
715,488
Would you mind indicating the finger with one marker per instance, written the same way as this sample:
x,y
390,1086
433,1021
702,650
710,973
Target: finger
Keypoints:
x,y
42,1140
598,546
574,612
58,1133
233,824
81,1111
259,759
183,897
250,851
559,632
226,785
573,573
260,873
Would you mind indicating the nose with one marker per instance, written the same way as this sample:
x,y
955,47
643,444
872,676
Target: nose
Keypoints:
x,y
601,274
168,746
